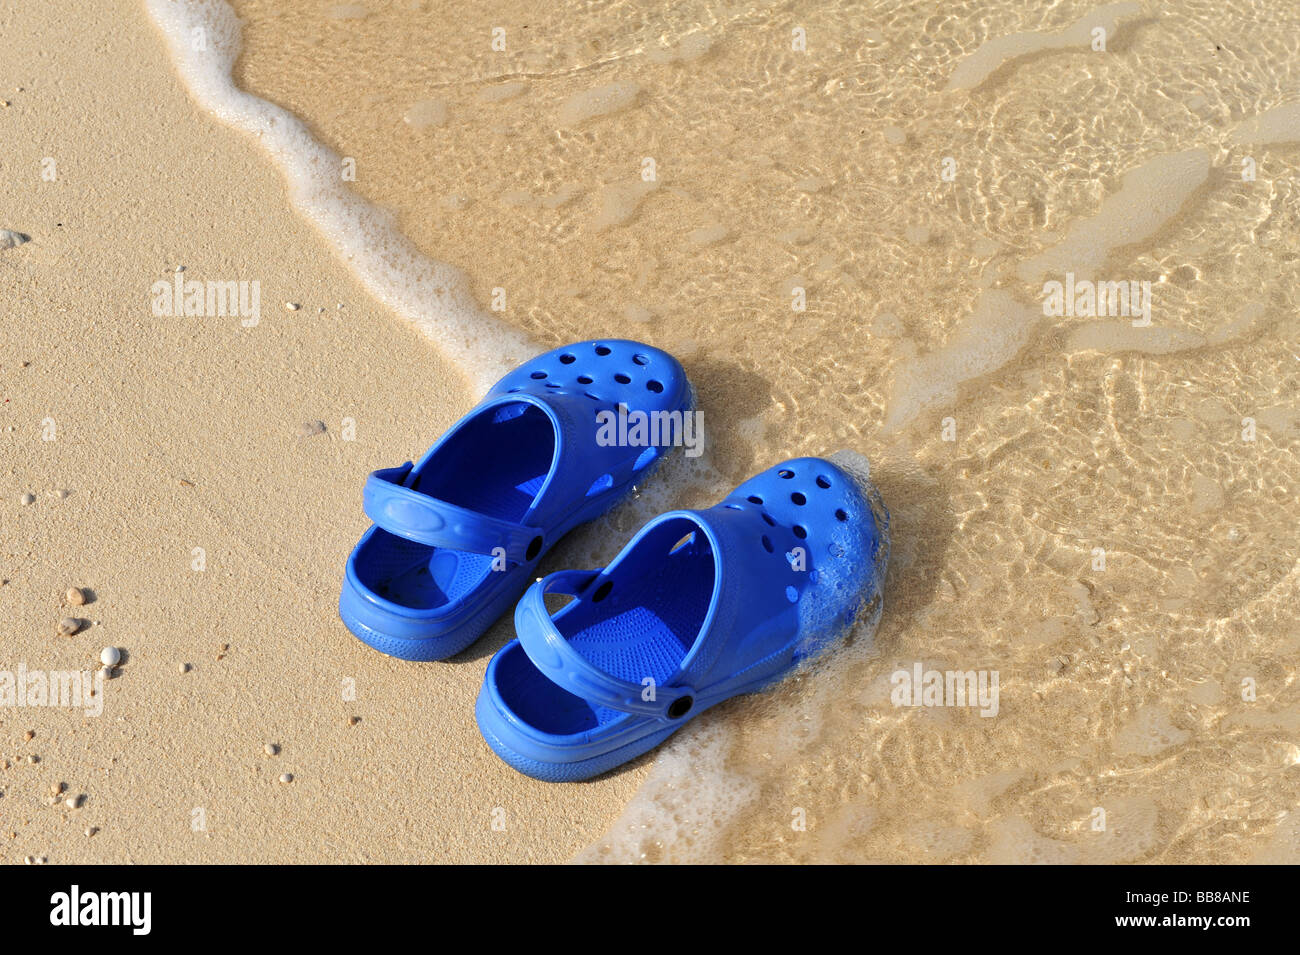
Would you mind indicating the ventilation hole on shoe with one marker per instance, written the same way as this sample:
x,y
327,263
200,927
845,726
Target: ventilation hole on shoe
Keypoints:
x,y
798,498
791,594
688,539
602,350
800,531
734,507
602,483
647,456
641,359
680,707
568,359
537,375
840,515
508,413
602,591
767,519
534,548
823,481
655,386
754,499
767,544
584,379
622,379
786,473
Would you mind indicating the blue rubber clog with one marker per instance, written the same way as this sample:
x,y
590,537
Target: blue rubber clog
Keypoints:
x,y
700,606
456,536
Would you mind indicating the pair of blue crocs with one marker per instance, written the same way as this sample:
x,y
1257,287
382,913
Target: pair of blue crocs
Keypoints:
x,y
698,607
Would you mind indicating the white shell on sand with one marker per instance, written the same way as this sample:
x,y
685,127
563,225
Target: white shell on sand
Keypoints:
x,y
286,777
69,625
27,499
9,238
110,656
75,596
270,749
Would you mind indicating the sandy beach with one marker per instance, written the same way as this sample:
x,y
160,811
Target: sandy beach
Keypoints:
x,y
848,245
185,432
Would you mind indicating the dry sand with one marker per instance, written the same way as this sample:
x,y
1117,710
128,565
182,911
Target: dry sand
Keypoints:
x,y
180,433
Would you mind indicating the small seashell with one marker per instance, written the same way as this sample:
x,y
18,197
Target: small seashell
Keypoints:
x,y
309,428
75,596
72,802
271,749
183,668
110,656
26,499
69,625
9,238
286,777
292,306
353,720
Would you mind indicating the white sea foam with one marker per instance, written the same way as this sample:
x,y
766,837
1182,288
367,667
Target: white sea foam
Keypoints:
x,y
697,790
203,37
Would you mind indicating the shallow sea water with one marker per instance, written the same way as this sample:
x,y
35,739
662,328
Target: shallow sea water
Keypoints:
x,y
1121,684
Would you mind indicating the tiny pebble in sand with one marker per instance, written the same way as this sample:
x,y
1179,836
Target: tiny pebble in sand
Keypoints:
x,y
182,668
72,802
90,831
110,656
29,735
69,625
33,759
353,720
292,306
286,777
75,596
309,428
270,749
26,499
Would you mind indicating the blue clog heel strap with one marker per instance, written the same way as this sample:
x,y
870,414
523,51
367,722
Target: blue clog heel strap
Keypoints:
x,y
398,509
556,658
741,627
